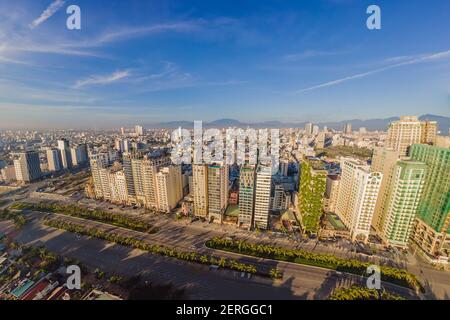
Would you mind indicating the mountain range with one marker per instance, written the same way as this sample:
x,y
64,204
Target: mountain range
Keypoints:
x,y
370,124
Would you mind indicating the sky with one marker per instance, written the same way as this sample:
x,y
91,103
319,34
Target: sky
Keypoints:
x,y
155,61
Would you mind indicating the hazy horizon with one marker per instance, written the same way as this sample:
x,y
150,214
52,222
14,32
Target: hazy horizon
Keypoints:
x,y
159,61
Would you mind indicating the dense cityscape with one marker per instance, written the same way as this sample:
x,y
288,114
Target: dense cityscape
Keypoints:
x,y
216,159
376,197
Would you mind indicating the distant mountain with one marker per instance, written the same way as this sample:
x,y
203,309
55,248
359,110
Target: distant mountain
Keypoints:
x,y
173,124
222,123
370,124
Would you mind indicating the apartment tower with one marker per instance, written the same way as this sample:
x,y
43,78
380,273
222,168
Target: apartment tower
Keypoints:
x,y
358,192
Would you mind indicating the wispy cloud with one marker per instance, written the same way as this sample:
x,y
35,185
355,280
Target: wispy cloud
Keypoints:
x,y
420,59
47,13
309,54
102,80
126,33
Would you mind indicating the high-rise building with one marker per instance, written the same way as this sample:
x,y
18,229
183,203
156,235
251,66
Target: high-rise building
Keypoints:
x,y
128,171
103,158
429,132
404,194
217,191
200,180
140,172
117,185
315,130
148,174
348,128
54,159
311,193
432,225
384,161
78,154
139,130
358,192
101,186
262,197
27,166
191,184
101,173
66,155
109,182
320,140
279,200
246,196
331,192
169,188
309,128
408,131
122,145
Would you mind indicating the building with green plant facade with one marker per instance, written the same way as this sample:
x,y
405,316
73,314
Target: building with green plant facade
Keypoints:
x,y
311,196
432,226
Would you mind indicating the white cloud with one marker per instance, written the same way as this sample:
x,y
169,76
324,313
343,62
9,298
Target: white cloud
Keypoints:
x,y
421,59
126,33
47,13
102,80
309,54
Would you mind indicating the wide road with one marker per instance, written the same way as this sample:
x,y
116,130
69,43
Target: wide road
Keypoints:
x,y
299,282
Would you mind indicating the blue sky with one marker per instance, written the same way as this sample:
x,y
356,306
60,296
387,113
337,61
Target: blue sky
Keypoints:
x,y
152,61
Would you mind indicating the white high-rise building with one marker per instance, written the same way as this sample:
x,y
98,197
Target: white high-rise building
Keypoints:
x,y
348,128
315,130
331,193
357,197
118,186
139,130
109,182
27,166
99,177
309,128
262,197
54,159
384,161
78,154
66,156
169,188
410,130
122,145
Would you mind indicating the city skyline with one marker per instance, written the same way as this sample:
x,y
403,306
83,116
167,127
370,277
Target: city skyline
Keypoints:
x,y
162,61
